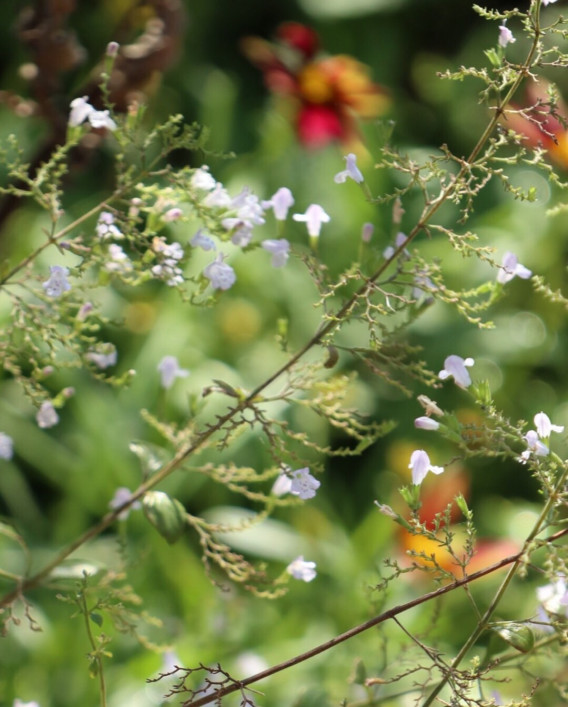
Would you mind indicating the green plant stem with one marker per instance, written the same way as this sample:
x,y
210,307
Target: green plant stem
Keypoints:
x,y
371,623
96,653
521,559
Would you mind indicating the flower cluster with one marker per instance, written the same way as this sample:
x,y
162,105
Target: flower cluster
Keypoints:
x,y
537,440
169,256
330,92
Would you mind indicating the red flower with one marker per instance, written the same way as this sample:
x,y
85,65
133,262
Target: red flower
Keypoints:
x,y
330,92
542,121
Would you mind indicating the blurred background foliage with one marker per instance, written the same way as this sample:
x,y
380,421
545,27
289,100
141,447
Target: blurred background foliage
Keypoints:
x,y
61,480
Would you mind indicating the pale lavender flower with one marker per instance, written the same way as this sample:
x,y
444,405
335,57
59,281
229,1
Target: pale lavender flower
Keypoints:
x,y
300,569
303,484
6,446
280,251
534,446
351,171
282,485
505,35
112,49
400,240
280,202
121,495
426,423
367,232
106,227
455,366
201,240
103,357
84,311
173,214
420,465
218,196
510,268
554,597
249,208
57,283
221,275
169,370
118,260
47,415
314,217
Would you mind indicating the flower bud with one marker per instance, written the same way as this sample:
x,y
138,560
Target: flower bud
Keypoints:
x,y
166,514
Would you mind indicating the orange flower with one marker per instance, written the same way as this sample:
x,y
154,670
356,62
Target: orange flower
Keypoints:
x,y
542,121
330,92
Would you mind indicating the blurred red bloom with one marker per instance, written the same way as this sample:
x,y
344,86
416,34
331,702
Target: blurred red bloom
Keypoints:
x,y
542,121
329,92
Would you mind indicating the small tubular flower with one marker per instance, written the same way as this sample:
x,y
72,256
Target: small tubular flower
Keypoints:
x,y
57,283
220,275
426,423
544,426
46,415
169,370
510,268
350,172
420,466
203,241
121,495
80,111
314,217
456,367
6,446
505,36
302,569
280,202
280,251
303,484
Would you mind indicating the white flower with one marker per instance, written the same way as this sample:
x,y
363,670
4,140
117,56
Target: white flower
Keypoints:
x,y
121,495
400,239
104,356
106,228
101,119
554,597
221,275
218,196
314,217
280,202
169,370
202,179
19,703
57,283
80,111
505,35
282,485
455,366
510,268
426,423
547,2
300,569
46,415
6,446
544,426
303,484
119,261
420,465
280,251
201,240
351,171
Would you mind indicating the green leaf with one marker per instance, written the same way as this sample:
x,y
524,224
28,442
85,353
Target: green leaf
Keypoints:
x,y
96,618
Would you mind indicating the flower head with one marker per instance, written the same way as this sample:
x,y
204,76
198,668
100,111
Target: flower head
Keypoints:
x,y
350,172
169,370
280,251
47,415
456,367
6,446
57,283
300,569
510,268
303,484
505,35
314,217
203,241
420,465
426,423
280,202
220,275
121,495
544,426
